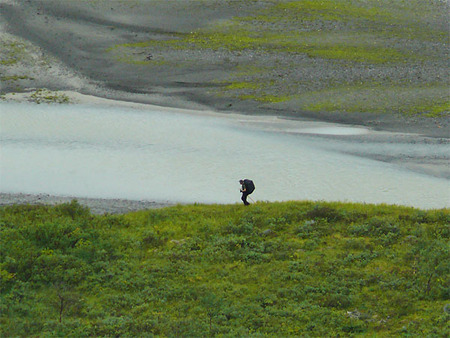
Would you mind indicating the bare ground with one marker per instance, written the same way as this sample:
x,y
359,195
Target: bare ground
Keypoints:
x,y
96,205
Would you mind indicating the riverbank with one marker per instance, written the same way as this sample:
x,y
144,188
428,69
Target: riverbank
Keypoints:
x,y
95,205
109,149
154,53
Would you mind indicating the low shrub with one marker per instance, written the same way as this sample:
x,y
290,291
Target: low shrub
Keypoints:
x,y
321,270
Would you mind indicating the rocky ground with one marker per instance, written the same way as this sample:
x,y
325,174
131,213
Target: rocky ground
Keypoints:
x,y
96,205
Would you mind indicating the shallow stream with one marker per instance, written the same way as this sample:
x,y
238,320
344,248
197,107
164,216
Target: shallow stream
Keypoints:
x,y
118,152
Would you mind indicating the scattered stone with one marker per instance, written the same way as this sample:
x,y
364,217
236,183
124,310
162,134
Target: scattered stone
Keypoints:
x,y
354,314
309,222
267,232
178,242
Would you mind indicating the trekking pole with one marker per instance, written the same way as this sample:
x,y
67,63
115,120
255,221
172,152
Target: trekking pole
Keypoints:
x,y
251,199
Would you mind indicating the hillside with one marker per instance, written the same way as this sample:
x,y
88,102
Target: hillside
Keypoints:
x,y
275,269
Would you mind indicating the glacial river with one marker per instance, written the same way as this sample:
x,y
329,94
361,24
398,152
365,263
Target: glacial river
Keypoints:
x,y
150,154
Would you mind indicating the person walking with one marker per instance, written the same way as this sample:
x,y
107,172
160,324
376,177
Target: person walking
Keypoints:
x,y
247,187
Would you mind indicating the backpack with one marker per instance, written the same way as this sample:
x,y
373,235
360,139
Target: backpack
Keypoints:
x,y
249,186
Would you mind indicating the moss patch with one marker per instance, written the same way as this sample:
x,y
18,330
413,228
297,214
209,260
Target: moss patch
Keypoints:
x,y
11,52
431,101
47,96
14,78
342,39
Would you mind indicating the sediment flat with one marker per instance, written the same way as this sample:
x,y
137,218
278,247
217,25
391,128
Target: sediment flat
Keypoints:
x,y
119,50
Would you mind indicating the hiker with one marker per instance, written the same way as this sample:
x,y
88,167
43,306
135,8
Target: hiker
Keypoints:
x,y
247,187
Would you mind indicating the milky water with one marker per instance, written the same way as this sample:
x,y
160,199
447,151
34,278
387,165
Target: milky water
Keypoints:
x,y
107,152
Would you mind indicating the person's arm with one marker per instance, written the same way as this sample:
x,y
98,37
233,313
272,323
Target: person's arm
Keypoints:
x,y
243,188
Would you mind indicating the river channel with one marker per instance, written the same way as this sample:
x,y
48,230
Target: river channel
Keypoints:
x,y
146,154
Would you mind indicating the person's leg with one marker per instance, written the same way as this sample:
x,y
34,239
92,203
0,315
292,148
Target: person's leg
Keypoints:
x,y
244,198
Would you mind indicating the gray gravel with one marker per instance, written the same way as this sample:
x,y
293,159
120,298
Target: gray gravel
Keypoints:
x,y
96,205
78,35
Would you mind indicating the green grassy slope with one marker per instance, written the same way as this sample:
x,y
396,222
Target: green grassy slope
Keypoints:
x,y
276,269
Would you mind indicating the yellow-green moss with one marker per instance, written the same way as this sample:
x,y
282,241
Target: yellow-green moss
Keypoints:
x,y
48,96
433,109
330,10
341,32
242,85
426,100
11,52
267,98
14,78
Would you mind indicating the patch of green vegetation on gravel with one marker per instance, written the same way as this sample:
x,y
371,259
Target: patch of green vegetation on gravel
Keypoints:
x,y
430,101
310,27
11,52
313,45
14,78
20,60
47,96
346,41
401,19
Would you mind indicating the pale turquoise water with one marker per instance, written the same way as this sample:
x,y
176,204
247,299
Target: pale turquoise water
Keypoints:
x,y
92,151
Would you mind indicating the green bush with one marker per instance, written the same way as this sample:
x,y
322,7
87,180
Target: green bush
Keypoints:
x,y
272,269
325,212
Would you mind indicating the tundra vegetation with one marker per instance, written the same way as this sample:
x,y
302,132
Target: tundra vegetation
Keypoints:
x,y
15,57
271,269
387,56
19,59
